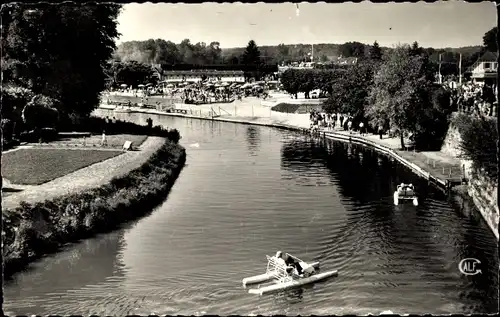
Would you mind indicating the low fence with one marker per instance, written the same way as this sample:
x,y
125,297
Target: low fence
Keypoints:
x,y
442,174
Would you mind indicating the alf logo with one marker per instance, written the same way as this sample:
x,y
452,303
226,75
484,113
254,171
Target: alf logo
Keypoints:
x,y
469,266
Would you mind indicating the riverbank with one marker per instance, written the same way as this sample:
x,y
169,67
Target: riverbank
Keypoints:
x,y
439,168
40,227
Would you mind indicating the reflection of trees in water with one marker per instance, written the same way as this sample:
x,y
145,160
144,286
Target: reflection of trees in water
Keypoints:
x,y
89,262
483,299
371,180
253,138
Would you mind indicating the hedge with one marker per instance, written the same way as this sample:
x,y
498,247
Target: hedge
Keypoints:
x,y
98,125
30,231
479,137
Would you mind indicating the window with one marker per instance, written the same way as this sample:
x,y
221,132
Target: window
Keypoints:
x,y
486,65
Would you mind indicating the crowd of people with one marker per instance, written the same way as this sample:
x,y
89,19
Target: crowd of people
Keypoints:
x,y
475,98
330,121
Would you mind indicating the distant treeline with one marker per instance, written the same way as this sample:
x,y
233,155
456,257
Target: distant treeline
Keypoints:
x,y
186,54
266,68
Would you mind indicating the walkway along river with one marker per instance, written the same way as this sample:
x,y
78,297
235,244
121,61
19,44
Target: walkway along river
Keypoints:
x,y
247,191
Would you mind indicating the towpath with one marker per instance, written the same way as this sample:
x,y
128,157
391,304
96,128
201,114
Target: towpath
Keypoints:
x,y
256,111
88,177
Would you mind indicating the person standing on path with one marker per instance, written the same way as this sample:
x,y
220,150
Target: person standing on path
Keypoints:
x,y
104,142
380,131
361,128
349,125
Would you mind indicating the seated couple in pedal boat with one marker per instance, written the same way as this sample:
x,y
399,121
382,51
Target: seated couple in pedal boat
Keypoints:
x,y
294,267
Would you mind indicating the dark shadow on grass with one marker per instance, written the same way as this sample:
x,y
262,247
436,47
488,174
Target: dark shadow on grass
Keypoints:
x,y
11,190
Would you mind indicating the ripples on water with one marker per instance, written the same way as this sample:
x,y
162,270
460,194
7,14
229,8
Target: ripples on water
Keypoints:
x,y
248,191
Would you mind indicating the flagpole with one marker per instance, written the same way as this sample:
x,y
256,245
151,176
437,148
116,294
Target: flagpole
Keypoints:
x,y
440,80
460,70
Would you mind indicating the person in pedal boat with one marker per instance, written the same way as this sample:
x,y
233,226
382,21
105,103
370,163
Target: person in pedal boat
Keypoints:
x,y
404,188
293,266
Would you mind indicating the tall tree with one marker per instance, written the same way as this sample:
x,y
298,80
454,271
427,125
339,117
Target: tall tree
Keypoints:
x,y
251,54
490,40
283,53
62,50
415,49
399,91
375,52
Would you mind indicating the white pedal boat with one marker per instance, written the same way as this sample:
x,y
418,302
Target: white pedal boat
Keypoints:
x,y
283,280
405,192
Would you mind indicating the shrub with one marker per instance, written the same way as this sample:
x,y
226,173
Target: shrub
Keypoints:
x,y
41,112
97,125
75,216
479,137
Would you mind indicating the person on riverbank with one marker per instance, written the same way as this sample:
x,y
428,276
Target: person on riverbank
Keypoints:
x,y
104,142
380,131
349,125
361,128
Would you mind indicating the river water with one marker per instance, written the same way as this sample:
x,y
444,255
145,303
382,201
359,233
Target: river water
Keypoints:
x,y
249,191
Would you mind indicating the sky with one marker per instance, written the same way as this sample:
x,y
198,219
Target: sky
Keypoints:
x,y
450,23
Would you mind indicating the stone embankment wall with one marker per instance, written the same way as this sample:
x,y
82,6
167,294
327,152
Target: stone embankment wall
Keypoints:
x,y
482,191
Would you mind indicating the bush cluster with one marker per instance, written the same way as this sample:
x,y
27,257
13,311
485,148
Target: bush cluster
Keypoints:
x,y
479,137
29,231
98,125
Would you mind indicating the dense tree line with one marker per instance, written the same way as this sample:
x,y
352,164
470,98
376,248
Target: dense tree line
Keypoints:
x,y
130,67
167,52
392,90
160,51
53,60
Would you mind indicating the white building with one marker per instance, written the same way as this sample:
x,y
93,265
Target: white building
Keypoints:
x,y
485,69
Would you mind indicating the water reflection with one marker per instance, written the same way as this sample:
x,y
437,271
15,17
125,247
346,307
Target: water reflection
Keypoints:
x,y
81,265
420,243
253,139
313,199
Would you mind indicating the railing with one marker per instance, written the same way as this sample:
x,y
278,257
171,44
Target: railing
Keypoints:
x,y
278,270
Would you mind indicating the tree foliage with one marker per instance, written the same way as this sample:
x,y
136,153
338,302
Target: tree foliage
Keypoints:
x,y
251,54
41,112
160,51
479,136
352,49
60,50
400,92
130,73
490,40
375,52
351,89
306,80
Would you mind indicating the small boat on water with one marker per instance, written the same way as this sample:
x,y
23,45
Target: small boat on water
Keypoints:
x,y
285,276
405,192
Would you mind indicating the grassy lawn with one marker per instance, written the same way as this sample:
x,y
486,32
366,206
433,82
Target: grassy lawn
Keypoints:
x,y
435,167
114,141
38,166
